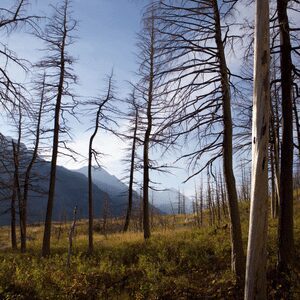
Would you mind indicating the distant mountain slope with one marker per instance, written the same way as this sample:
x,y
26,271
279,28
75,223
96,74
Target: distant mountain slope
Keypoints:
x,y
166,201
71,189
107,182
117,190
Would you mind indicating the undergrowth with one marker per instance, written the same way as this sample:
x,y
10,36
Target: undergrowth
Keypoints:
x,y
182,263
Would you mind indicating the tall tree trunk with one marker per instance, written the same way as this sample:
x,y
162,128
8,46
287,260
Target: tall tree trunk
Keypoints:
x,y
23,210
146,180
238,258
146,225
16,185
256,283
51,193
131,176
286,223
90,195
91,153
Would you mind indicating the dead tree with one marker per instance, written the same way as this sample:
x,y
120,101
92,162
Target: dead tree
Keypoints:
x,y
151,101
16,189
37,117
256,281
286,223
134,119
12,18
57,38
199,84
71,236
100,120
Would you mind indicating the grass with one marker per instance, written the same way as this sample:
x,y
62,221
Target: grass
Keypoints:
x,y
180,261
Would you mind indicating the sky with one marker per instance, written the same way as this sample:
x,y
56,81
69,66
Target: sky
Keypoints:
x,y
106,39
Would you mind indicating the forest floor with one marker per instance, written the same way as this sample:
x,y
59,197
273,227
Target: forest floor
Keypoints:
x,y
179,261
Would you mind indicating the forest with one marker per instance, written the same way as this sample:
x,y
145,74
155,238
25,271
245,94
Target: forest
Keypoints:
x,y
215,92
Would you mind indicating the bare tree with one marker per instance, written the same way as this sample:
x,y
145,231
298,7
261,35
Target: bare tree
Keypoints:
x,y
71,236
149,93
16,189
199,85
100,120
12,18
57,38
286,223
134,114
256,284
37,119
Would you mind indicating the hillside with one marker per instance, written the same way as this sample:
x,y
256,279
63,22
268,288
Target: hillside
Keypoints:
x,y
71,189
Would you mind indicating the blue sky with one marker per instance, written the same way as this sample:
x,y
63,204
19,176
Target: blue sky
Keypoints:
x,y
106,39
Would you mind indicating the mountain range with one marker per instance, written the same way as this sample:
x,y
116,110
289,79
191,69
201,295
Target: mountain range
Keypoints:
x,y
71,190
166,201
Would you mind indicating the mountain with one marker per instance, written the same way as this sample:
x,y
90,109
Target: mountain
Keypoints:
x,y
107,182
117,190
165,201
71,189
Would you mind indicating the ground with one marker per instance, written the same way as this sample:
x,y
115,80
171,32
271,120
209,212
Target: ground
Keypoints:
x,y
180,261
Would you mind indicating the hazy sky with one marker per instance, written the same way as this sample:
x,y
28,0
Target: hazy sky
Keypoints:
x,y
106,39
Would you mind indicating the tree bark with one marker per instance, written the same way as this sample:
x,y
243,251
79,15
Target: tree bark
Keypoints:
x,y
286,223
256,282
237,256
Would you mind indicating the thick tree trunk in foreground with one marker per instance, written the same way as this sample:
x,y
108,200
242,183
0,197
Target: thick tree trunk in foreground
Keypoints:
x,y
256,281
238,257
286,223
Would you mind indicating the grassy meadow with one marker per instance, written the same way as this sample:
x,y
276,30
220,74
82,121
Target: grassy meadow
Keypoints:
x,y
180,261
